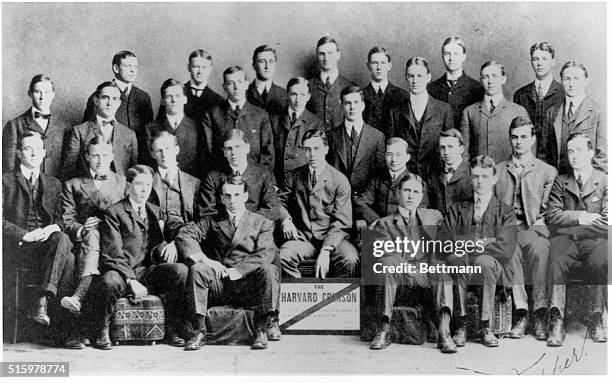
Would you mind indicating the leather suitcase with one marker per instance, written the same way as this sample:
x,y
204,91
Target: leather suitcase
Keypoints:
x,y
144,321
227,325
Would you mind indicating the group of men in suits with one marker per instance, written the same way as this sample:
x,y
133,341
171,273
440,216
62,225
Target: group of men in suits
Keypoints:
x,y
216,198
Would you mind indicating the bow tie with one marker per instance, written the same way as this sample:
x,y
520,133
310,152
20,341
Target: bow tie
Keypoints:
x,y
99,177
40,115
106,123
449,170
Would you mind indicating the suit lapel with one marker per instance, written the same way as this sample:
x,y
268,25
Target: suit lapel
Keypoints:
x,y
426,225
47,203
321,179
459,173
242,228
490,212
584,111
571,185
157,186
338,135
22,181
32,124
226,226
187,195
365,143
590,186
89,189
532,92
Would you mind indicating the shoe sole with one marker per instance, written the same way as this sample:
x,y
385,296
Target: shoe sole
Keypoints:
x,y
65,303
45,321
448,351
75,347
259,347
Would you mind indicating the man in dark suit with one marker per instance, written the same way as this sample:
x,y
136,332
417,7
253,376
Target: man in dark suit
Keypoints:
x,y
380,95
524,182
318,200
420,121
450,183
200,97
135,110
231,258
84,201
484,125
131,243
188,134
455,87
237,113
124,141
290,126
262,92
32,224
544,92
326,87
54,131
357,149
578,210
490,224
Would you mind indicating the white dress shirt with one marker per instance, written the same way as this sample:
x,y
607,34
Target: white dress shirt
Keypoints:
x,y
418,104
233,105
123,86
261,85
42,122
240,169
496,100
544,84
175,120
348,126
27,172
380,85
576,101
332,74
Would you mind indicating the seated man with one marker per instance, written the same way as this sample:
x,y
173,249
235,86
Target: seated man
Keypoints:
x,y
578,209
318,199
237,267
131,262
411,223
31,225
84,201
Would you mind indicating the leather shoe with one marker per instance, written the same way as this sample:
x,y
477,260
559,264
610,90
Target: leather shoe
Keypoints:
x,y
557,333
74,342
174,340
272,329
446,344
381,340
460,336
261,340
196,342
598,333
103,341
518,330
488,338
73,304
539,325
40,315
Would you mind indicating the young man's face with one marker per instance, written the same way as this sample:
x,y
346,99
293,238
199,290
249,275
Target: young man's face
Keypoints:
x,y
265,65
417,78
236,151
453,57
127,70
235,86
164,150
140,188
379,66
100,158
483,180
107,102
353,106
410,194
450,150
32,152
396,157
579,154
42,95
328,56
542,63
522,140
298,96
315,151
199,69
174,100
234,197
492,80
574,82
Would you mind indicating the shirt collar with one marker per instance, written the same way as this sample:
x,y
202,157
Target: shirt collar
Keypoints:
x,y
27,172
586,174
449,77
516,161
419,99
383,85
485,198
298,114
406,213
455,166
396,174
175,119
122,85
99,120
319,171
545,83
577,100
163,172
233,104
135,206
199,87
241,169
93,173
333,75
238,216
34,110
349,126
496,99
261,85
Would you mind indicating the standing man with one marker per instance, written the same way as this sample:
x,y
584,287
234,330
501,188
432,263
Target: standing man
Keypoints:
x,y
358,150
578,209
262,92
544,92
237,113
484,125
524,182
326,87
135,109
38,119
106,99
455,87
380,95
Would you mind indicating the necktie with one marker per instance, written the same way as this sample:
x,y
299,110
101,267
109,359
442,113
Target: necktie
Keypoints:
x,y
106,123
451,83
579,179
293,118
540,92
141,214
32,179
570,111
168,179
449,173
328,84
234,222
354,136
237,110
40,115
380,91
393,177
264,95
519,167
313,180
196,91
492,109
100,177
237,173
175,124
478,210
126,92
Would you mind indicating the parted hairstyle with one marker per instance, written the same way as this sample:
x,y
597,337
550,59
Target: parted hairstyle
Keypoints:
x,y
378,49
298,80
233,134
518,122
98,139
160,134
40,78
542,46
105,84
396,140
200,53
350,90
574,136
121,55
314,134
491,63
454,40
453,133
232,70
28,135
235,180
261,49
171,82
328,39
135,170
409,177
417,61
484,162
574,64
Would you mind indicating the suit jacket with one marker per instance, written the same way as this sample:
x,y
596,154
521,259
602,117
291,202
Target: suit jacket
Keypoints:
x,y
81,200
189,186
379,197
322,212
54,137
326,103
126,246
536,182
15,204
134,112
436,118
370,156
288,141
376,113
486,133
567,202
527,97
245,248
276,102
464,93
588,119
444,194
125,149
253,121
195,106
191,157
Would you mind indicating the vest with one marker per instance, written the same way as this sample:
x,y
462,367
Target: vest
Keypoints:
x,y
35,211
170,203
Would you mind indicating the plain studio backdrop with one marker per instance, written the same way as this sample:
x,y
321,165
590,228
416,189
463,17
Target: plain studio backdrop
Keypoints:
x,y
75,43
